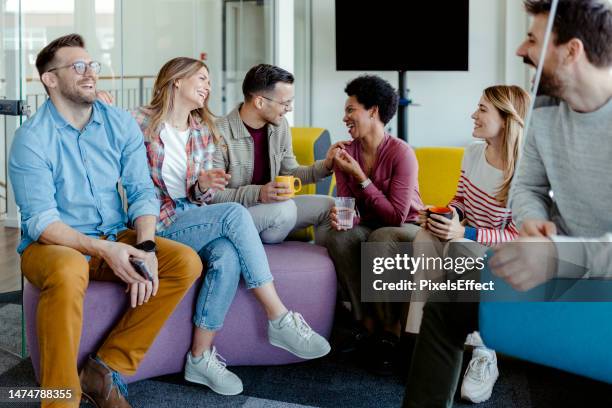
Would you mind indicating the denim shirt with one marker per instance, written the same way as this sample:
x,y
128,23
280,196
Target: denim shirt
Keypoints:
x,y
60,173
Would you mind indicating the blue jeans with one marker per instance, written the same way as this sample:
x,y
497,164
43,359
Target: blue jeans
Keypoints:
x,y
226,239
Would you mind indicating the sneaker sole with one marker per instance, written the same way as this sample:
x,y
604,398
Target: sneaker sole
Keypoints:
x,y
215,389
304,356
477,399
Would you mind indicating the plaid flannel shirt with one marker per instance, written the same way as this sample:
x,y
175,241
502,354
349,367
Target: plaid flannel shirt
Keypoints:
x,y
199,138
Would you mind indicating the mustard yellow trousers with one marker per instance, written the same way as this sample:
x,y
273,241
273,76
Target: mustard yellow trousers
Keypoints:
x,y
62,275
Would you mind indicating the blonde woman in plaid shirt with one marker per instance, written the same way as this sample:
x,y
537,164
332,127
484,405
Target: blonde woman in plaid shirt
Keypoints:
x,y
179,133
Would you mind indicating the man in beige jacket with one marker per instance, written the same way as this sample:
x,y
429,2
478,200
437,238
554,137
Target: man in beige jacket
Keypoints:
x,y
256,147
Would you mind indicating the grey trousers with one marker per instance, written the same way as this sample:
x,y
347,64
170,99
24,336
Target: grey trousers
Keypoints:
x,y
344,247
276,221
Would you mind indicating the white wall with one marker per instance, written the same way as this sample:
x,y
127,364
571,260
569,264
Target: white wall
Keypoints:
x,y
446,99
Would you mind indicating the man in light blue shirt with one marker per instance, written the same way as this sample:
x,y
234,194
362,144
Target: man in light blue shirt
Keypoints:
x,y
65,166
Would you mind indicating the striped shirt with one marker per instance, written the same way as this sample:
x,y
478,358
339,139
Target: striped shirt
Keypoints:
x,y
489,222
199,138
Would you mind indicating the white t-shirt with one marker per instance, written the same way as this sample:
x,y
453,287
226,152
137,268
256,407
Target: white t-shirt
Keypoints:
x,y
482,175
174,167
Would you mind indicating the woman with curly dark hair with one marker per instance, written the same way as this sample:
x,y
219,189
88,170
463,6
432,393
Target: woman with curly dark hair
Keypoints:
x,y
380,172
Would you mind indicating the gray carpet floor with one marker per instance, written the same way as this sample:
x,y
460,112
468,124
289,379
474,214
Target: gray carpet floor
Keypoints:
x,y
326,382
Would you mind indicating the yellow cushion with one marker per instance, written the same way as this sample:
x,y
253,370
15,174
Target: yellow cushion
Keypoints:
x,y
304,140
439,171
309,145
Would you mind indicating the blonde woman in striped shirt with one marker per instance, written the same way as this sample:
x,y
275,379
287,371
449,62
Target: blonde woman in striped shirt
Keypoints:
x,y
480,213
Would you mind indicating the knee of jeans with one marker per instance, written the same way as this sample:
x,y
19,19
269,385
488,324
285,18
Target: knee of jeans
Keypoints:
x,y
236,208
221,252
240,212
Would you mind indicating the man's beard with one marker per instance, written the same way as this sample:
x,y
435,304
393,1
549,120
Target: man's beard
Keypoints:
x,y
77,98
550,85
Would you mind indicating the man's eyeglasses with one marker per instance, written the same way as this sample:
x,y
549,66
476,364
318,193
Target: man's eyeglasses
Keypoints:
x,y
287,105
80,67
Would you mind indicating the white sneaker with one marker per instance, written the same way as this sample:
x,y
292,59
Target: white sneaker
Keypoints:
x,y
212,372
296,336
480,375
474,340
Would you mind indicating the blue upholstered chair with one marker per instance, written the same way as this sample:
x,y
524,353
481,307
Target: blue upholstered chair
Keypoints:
x,y
575,336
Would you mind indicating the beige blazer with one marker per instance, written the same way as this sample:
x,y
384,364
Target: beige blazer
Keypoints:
x,y
235,154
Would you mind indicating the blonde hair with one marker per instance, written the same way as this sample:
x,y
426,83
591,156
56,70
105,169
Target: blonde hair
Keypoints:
x,y
512,103
164,91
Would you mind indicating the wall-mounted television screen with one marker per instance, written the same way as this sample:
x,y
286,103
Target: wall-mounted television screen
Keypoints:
x,y
402,35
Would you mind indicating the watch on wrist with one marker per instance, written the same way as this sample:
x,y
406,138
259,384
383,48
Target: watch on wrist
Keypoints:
x,y
147,246
198,190
365,183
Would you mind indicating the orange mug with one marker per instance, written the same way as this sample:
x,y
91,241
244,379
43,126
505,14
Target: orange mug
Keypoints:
x,y
290,180
443,211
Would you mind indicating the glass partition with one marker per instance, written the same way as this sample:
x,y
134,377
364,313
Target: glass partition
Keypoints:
x,y
302,62
96,20
247,41
11,81
132,39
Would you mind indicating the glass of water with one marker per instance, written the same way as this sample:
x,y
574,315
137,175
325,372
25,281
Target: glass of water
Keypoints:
x,y
345,207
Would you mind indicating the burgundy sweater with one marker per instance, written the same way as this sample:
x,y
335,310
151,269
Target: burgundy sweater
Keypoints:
x,y
261,162
393,196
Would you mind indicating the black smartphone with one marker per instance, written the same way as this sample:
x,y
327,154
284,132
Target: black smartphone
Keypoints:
x,y
140,267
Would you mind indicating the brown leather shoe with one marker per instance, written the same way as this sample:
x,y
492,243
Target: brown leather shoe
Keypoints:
x,y
98,386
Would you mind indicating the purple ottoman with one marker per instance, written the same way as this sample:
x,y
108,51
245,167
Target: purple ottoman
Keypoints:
x,y
305,280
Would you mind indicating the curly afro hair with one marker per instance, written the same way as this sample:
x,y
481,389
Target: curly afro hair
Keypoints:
x,y
372,90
